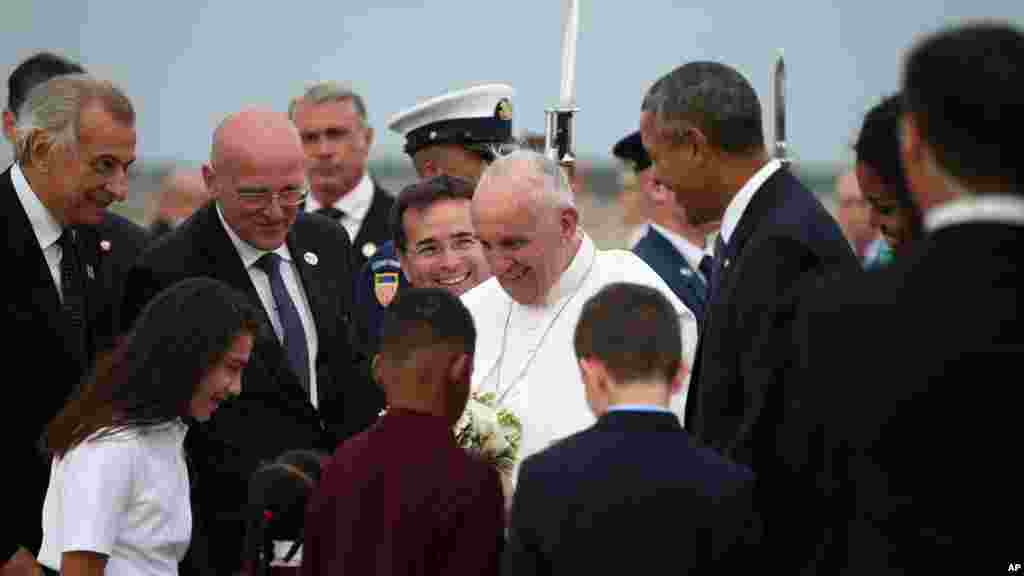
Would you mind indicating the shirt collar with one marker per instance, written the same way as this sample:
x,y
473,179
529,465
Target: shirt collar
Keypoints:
x,y
992,208
247,252
45,226
355,204
742,199
638,408
570,280
690,251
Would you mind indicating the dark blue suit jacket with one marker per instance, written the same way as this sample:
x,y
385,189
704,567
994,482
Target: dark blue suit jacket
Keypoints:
x,y
737,392
369,309
659,253
631,494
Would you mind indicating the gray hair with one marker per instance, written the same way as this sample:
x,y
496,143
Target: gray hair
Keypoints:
x,y
324,92
55,108
546,176
712,97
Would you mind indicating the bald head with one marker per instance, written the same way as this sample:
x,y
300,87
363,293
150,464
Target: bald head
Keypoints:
x,y
256,158
255,134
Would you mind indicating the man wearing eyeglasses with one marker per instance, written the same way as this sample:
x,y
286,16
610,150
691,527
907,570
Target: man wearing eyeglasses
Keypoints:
x,y
306,386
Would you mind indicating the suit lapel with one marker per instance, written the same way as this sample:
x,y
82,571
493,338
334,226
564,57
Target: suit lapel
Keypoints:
x,y
308,264
376,219
222,259
680,272
28,260
764,201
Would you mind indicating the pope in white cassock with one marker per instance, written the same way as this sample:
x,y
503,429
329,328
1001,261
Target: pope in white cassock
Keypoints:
x,y
545,268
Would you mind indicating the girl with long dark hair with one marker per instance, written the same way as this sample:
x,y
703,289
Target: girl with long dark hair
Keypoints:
x,y
118,499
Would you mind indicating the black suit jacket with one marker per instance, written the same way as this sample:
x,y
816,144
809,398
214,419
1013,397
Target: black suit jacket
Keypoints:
x,y
632,494
659,253
38,329
376,227
906,383
784,238
273,414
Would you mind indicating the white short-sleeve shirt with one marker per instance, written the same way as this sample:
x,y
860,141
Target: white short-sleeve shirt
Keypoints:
x,y
125,496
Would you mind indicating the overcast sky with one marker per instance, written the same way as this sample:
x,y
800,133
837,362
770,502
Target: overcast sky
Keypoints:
x,y
188,63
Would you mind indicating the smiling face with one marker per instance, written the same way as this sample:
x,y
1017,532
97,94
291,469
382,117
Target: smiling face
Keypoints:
x,y
888,214
526,241
82,180
223,380
442,250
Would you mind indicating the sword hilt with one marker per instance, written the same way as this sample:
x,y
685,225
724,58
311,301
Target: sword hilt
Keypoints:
x,y
560,134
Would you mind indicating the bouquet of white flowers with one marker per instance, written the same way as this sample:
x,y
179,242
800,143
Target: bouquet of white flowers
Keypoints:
x,y
490,431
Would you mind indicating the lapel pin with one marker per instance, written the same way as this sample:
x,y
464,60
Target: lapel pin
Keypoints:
x,y
369,249
310,258
726,262
105,245
90,272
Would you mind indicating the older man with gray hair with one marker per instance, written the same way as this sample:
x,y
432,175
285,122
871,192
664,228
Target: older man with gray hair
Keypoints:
x,y
545,267
336,137
74,138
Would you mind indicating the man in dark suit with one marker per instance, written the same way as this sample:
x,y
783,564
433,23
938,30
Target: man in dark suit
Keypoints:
x,y
336,137
305,386
701,125
403,497
64,256
633,493
670,245
902,432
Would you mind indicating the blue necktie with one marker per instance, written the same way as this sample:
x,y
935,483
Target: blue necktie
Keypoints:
x,y
291,325
706,268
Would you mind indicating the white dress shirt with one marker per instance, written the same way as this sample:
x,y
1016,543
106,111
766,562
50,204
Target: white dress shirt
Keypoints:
x,y
525,355
355,205
125,496
45,226
690,251
738,205
290,275
1000,209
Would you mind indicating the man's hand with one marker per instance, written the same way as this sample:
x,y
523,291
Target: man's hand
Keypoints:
x,y
21,564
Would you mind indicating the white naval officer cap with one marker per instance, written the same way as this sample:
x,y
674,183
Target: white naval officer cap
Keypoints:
x,y
477,118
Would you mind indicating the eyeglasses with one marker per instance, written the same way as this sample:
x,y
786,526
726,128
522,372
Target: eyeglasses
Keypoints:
x,y
261,198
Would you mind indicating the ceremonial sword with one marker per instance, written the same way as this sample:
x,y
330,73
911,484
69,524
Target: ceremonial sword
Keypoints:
x,y
779,103
559,121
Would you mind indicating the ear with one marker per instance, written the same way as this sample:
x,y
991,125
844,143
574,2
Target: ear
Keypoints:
x,y
660,195
676,384
377,370
568,220
697,142
9,126
209,180
594,375
461,368
910,140
369,136
39,148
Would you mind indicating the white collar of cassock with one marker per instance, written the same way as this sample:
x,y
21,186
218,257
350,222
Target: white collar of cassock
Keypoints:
x,y
574,275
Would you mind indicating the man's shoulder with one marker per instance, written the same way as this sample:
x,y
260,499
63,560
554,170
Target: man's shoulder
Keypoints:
x,y
122,228
318,227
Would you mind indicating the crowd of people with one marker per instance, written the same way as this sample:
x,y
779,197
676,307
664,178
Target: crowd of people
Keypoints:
x,y
267,376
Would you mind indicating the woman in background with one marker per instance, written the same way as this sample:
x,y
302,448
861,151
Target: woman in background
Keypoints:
x,y
881,180
118,499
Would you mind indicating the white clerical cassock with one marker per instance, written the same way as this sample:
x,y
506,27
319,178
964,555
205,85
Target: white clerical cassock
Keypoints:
x,y
525,355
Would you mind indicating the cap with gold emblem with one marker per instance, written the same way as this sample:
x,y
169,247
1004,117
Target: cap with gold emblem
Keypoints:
x,y
476,117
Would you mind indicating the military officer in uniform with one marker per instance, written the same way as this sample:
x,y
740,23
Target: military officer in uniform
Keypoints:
x,y
674,248
458,134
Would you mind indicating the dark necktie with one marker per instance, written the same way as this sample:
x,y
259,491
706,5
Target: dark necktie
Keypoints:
x,y
73,292
332,213
706,268
294,340
717,268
